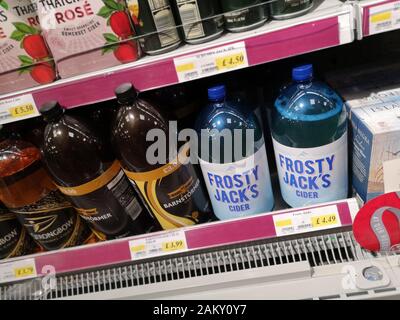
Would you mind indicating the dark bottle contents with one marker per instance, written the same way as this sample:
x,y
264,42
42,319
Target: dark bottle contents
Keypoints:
x,y
201,20
14,241
253,14
286,9
27,190
155,23
30,130
172,189
99,117
85,171
180,102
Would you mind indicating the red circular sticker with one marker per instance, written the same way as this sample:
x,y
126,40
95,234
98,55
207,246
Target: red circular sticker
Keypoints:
x,y
377,224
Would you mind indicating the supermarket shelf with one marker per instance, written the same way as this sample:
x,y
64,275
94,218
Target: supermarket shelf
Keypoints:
x,y
329,24
377,16
197,237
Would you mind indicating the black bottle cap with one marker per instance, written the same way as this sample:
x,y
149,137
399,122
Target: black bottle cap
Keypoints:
x,y
51,111
126,93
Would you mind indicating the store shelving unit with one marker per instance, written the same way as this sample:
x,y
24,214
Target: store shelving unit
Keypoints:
x,y
377,16
329,24
148,247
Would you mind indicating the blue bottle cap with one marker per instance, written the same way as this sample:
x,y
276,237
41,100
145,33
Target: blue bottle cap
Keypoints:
x,y
303,73
217,93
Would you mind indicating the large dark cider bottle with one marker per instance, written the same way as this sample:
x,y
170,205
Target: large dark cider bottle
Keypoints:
x,y
27,191
86,171
172,189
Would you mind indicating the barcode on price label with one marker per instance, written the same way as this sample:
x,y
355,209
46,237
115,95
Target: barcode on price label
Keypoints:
x,y
17,270
211,62
307,220
158,245
384,18
17,108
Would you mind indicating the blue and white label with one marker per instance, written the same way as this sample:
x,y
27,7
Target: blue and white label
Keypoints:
x,y
313,175
239,189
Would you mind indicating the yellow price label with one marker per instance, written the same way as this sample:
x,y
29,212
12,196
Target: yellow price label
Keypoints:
x,y
380,17
138,248
185,67
284,223
173,245
232,61
323,221
22,110
24,271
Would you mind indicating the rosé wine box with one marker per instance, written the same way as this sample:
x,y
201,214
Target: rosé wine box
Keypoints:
x,y
87,35
25,60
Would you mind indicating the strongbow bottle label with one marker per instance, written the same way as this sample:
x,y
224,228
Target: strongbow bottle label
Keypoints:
x,y
312,175
27,191
173,192
52,222
13,238
107,202
239,189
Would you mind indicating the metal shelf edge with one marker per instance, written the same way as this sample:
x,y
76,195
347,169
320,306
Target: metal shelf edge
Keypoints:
x,y
197,237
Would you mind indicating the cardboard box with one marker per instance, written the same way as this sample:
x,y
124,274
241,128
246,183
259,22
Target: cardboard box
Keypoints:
x,y
376,148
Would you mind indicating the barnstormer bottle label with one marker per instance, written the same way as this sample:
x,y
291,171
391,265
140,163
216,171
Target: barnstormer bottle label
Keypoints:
x,y
107,202
239,189
173,192
312,175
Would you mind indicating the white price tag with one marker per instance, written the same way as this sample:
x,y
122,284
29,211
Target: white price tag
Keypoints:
x,y
384,18
211,62
18,108
307,221
17,270
391,171
159,245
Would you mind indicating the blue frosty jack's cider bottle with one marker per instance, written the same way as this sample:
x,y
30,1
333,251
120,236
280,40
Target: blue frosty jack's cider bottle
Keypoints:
x,y
236,169
309,131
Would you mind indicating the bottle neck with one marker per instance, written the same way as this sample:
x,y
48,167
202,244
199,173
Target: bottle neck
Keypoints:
x,y
304,82
127,102
54,118
217,101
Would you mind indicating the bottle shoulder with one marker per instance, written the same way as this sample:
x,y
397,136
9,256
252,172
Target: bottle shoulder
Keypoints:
x,y
138,118
226,116
310,101
69,131
15,155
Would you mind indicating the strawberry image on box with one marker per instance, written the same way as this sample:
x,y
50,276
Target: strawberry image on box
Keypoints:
x,y
87,35
25,60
